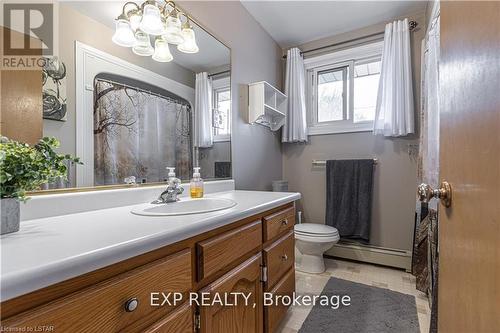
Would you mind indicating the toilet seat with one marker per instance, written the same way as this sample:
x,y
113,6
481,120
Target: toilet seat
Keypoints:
x,y
314,232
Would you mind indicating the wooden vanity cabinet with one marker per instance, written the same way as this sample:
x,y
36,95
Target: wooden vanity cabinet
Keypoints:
x,y
248,256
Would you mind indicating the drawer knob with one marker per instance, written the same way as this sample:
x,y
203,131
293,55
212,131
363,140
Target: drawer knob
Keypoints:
x,y
284,222
131,304
284,257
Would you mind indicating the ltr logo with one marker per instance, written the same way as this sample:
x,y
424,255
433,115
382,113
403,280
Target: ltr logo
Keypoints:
x,y
29,29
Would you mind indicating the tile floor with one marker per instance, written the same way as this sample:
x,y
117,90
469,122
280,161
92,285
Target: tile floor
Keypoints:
x,y
383,277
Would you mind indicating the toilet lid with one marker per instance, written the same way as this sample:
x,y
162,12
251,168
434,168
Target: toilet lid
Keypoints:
x,y
315,229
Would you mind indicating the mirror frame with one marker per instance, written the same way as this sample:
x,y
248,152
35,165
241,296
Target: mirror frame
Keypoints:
x,y
152,184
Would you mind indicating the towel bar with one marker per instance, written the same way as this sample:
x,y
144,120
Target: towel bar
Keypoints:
x,y
323,162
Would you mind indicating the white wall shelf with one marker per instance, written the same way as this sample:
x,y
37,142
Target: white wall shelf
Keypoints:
x,y
266,105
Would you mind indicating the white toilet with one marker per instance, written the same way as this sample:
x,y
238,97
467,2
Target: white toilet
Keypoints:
x,y
312,240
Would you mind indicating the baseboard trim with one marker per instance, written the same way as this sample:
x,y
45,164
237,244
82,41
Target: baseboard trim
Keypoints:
x,y
372,254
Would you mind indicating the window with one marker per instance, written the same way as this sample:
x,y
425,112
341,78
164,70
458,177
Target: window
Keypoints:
x,y
343,88
366,77
221,109
332,87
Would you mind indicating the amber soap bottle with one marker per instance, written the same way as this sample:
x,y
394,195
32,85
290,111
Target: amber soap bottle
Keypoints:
x,y
196,186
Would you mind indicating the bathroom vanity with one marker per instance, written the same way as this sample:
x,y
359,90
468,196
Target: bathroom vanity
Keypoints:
x,y
107,283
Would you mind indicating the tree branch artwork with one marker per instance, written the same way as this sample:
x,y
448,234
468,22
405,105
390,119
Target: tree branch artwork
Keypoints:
x,y
111,113
138,134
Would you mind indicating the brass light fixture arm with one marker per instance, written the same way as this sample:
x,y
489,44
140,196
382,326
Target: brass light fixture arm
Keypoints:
x,y
125,13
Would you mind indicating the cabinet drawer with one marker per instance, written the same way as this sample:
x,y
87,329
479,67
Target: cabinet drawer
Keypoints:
x,y
274,314
103,306
220,251
279,257
278,223
179,321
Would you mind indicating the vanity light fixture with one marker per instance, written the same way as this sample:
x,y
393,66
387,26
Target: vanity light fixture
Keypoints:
x,y
163,20
135,17
189,45
151,22
173,28
124,35
142,45
162,51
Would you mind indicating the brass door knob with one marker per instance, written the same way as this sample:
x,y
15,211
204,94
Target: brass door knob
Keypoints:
x,y
425,193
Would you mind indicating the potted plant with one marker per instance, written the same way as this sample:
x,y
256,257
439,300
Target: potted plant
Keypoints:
x,y
25,168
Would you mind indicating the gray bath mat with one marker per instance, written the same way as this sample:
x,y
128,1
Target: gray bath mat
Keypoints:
x,y
371,310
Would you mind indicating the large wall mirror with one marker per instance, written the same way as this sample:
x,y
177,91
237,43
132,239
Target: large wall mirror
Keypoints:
x,y
130,96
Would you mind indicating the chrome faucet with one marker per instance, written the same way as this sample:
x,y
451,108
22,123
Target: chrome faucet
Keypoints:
x,y
173,189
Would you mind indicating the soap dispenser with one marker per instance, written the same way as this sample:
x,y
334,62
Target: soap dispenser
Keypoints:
x,y
172,179
196,186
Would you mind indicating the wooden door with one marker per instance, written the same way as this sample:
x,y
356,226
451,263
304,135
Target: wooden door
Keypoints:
x,y
469,230
241,318
21,105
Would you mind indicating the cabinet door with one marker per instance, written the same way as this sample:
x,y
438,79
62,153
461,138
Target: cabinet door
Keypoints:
x,y
274,314
240,317
179,321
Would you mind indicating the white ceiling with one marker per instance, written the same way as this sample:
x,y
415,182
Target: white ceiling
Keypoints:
x,y
212,53
291,23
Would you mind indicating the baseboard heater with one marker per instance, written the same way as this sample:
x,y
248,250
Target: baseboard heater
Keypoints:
x,y
372,254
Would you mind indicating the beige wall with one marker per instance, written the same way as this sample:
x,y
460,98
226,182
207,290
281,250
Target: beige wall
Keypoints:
x,y
255,56
74,26
395,175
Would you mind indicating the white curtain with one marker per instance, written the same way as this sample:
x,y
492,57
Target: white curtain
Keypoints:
x,y
203,134
394,115
295,128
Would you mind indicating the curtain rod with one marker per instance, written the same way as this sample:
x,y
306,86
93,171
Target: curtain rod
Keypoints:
x,y
323,162
219,73
179,100
412,24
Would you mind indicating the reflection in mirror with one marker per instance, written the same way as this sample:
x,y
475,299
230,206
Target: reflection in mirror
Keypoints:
x,y
138,129
129,100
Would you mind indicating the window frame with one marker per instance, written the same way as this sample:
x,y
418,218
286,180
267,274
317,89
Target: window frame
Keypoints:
x,y
218,85
347,109
337,59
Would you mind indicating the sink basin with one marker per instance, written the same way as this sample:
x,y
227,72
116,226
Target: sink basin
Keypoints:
x,y
185,207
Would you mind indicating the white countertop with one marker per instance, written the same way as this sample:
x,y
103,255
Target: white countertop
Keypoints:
x,y
53,249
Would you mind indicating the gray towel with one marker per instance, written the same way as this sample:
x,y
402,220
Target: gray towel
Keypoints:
x,y
349,186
